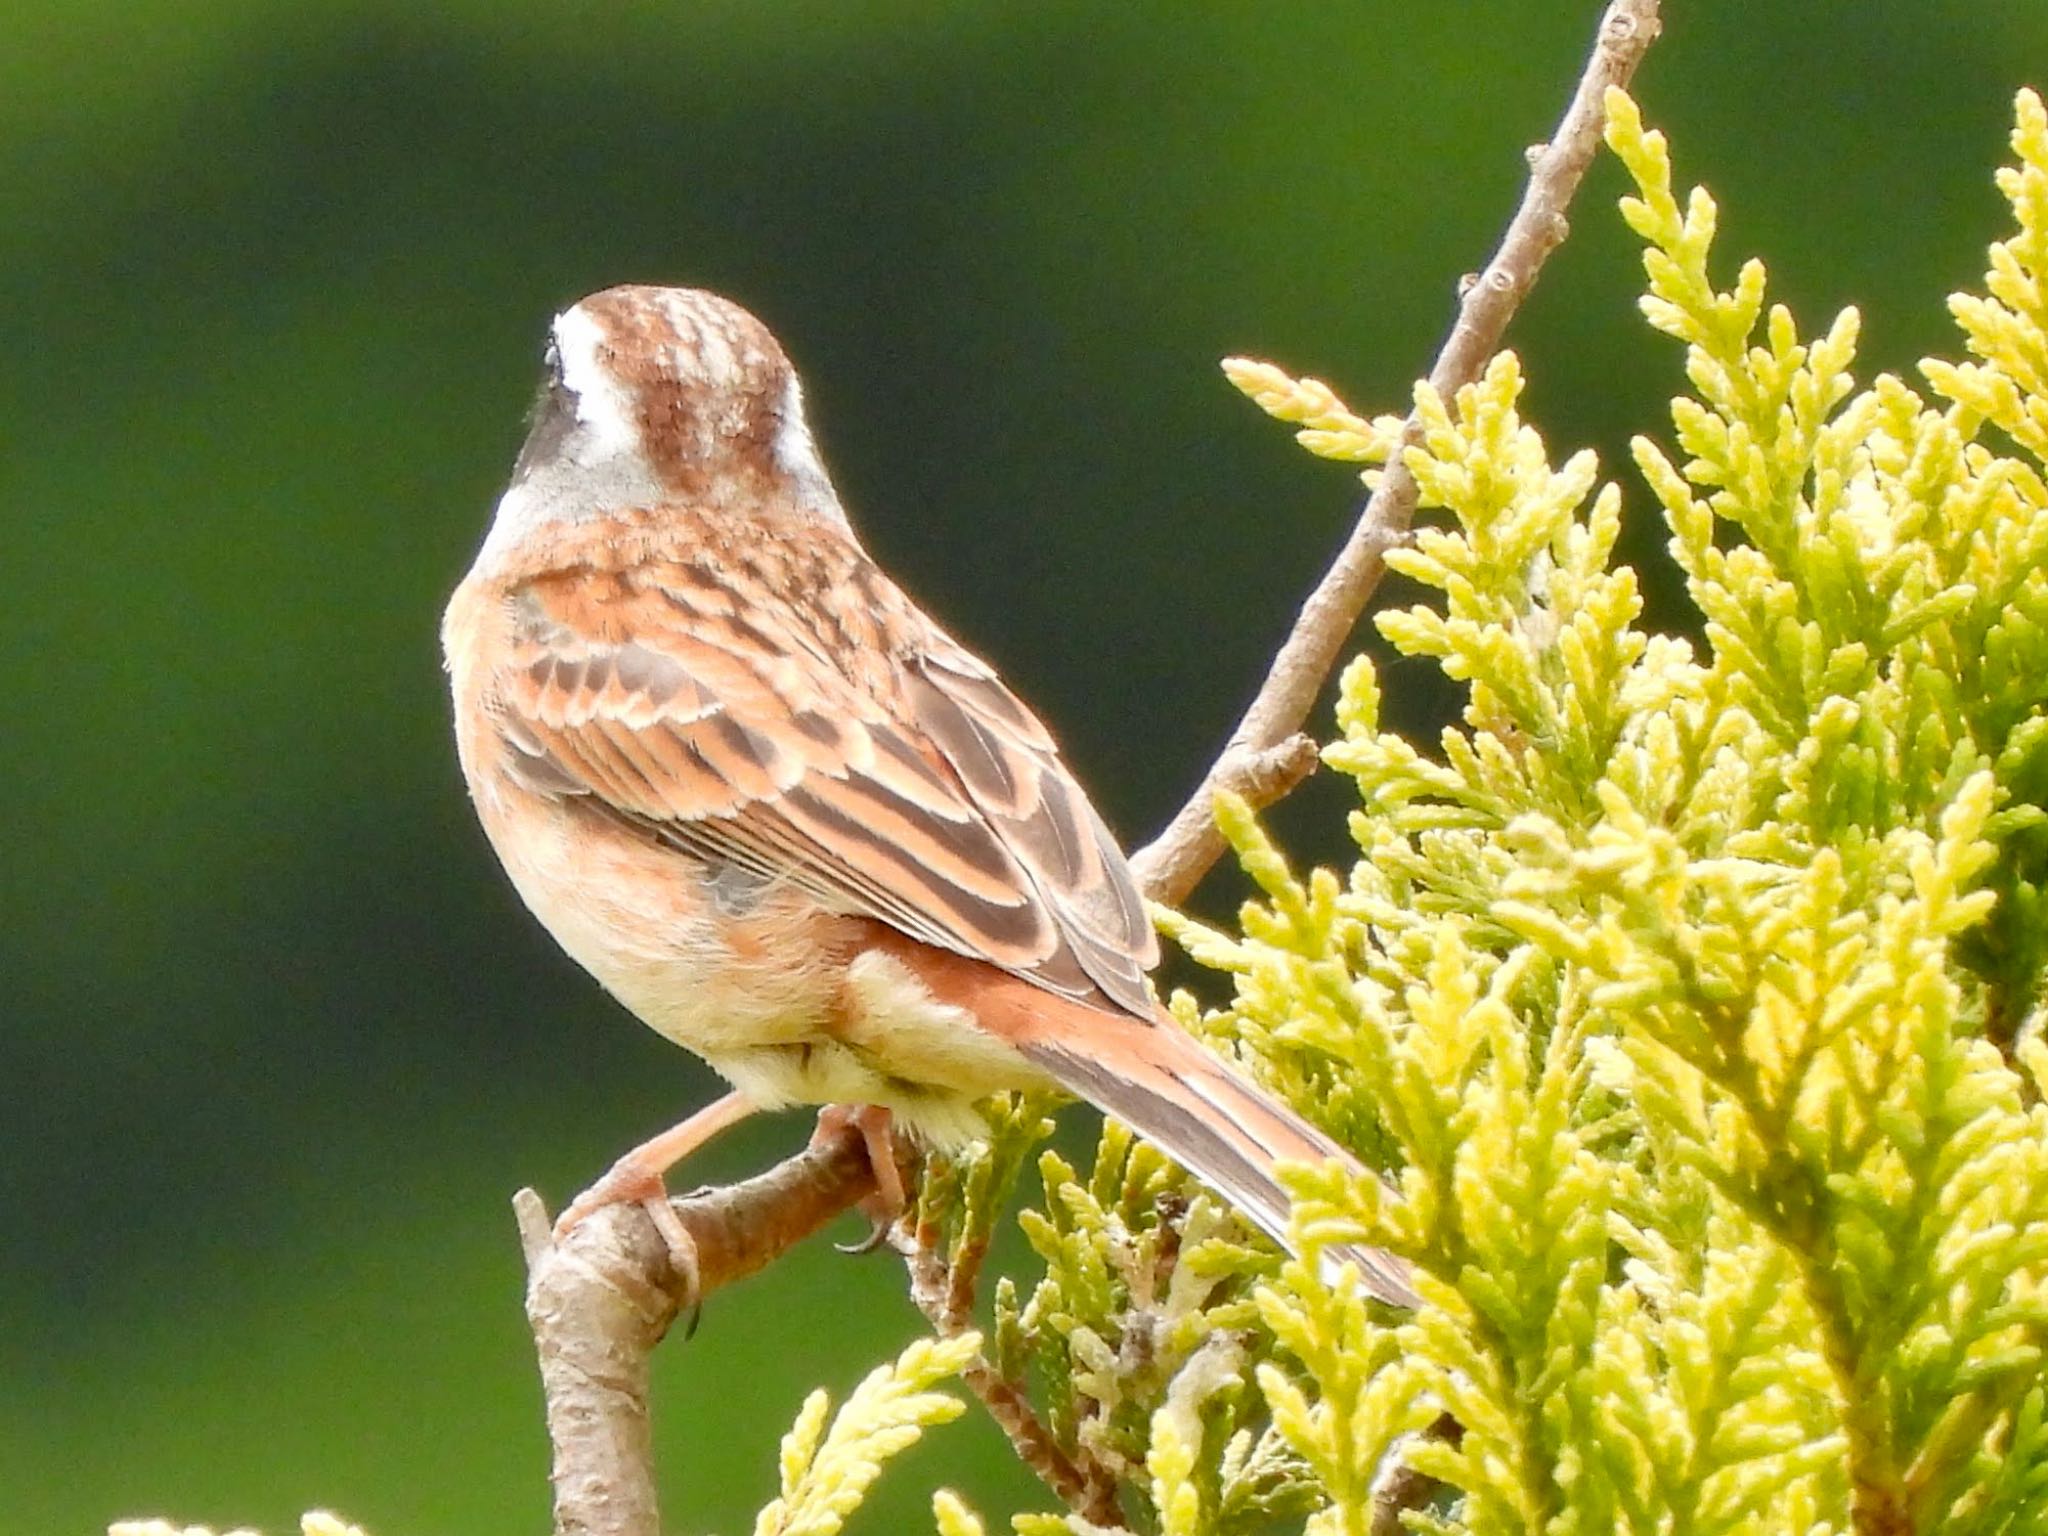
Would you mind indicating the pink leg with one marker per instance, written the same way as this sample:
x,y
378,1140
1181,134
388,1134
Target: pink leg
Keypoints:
x,y
878,1134
636,1179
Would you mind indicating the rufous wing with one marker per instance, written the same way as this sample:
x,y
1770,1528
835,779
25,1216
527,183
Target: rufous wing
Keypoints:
x,y
787,710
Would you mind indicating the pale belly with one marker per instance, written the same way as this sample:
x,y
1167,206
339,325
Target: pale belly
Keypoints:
x,y
778,997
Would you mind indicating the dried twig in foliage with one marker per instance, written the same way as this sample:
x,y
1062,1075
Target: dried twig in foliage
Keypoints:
x,y
944,1293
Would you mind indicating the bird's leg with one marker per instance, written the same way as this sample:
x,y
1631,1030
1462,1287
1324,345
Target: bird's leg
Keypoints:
x,y
636,1179
878,1134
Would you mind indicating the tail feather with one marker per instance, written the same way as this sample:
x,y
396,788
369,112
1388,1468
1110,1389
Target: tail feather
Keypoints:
x,y
1226,1132
1152,1075
1223,1131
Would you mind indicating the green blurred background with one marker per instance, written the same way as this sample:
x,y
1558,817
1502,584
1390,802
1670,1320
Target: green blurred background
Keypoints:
x,y
278,1041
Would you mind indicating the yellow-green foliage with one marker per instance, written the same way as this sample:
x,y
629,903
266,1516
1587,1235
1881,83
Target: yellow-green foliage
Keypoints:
x,y
827,1471
1139,1343
1329,430
1691,991
1696,988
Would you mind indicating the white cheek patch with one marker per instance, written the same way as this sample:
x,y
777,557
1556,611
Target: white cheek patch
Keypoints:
x,y
600,464
601,405
796,455
796,452
597,468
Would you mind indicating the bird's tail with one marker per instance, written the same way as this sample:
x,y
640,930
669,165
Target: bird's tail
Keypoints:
x,y
1159,1081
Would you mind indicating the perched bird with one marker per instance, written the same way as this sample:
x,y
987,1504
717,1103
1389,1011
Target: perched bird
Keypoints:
x,y
778,812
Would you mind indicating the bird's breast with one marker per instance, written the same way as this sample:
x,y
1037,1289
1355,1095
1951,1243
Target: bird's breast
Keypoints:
x,y
711,969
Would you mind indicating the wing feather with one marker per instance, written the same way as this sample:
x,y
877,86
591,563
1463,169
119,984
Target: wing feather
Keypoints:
x,y
789,711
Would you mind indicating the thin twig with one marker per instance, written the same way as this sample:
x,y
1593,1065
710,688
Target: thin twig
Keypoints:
x,y
935,1291
963,1275
1174,863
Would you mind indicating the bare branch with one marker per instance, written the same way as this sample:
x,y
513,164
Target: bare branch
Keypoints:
x,y
1174,863
600,1300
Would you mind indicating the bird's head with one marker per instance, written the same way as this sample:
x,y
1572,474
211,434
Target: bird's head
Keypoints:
x,y
664,396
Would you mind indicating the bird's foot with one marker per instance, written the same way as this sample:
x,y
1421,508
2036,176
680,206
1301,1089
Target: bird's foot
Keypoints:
x,y
636,1179
877,1130
631,1181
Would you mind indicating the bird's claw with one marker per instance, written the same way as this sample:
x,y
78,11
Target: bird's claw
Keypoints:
x,y
878,1136
878,1234
628,1183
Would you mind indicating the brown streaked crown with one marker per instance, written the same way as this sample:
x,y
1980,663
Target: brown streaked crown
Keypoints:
x,y
680,383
